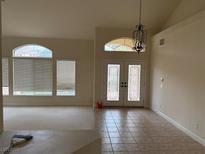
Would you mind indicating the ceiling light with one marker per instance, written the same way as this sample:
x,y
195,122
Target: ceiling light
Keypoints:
x,y
139,34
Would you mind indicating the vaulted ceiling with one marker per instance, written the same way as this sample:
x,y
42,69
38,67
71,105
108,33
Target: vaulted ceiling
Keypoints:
x,y
79,18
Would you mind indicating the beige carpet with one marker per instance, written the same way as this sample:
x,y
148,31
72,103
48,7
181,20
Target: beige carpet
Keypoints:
x,y
48,118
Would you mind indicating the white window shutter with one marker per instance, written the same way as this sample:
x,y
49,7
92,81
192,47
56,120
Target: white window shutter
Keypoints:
x,y
32,76
5,72
66,77
5,76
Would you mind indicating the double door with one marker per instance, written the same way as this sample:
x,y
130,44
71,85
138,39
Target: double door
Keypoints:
x,y
124,84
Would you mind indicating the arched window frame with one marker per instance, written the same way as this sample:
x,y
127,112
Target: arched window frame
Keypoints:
x,y
128,44
47,53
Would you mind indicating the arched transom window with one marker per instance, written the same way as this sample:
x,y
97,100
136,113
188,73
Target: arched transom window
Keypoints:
x,y
34,51
121,45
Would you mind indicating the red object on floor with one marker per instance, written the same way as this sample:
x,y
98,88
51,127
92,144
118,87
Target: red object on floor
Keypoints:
x,y
99,105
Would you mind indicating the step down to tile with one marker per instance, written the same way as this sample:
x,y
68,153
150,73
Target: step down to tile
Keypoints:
x,y
56,142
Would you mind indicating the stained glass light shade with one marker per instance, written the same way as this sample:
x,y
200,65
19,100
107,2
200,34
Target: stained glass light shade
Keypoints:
x,y
35,51
121,45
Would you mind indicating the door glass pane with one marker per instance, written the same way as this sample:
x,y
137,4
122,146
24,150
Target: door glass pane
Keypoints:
x,y
134,82
113,79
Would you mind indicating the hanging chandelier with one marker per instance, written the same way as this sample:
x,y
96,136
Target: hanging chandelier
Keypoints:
x,y
139,34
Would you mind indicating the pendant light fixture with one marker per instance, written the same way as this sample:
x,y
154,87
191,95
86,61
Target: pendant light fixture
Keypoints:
x,y
139,34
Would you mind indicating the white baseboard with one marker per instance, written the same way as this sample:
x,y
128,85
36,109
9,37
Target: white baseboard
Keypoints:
x,y
179,126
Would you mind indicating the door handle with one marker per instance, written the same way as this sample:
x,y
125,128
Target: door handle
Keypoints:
x,y
122,84
125,84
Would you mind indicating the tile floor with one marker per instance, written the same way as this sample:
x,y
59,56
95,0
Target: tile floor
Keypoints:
x,y
140,131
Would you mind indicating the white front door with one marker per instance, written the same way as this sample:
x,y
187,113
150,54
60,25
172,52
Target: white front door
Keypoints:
x,y
124,84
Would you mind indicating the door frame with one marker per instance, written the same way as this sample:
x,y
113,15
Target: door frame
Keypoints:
x,y
123,103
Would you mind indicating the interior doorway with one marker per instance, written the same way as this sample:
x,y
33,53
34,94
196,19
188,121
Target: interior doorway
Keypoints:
x,y
124,83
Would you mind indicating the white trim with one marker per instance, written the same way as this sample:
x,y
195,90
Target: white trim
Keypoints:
x,y
182,128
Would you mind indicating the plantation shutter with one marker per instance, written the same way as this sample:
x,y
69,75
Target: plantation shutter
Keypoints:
x,y
32,76
66,77
5,72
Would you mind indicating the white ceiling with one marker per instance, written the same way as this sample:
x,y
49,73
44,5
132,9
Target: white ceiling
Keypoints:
x,y
78,18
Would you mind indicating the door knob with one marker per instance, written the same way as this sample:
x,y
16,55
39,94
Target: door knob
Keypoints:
x,y
122,84
125,84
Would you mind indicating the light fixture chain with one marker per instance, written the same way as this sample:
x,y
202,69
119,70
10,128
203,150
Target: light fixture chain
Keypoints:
x,y
139,34
140,12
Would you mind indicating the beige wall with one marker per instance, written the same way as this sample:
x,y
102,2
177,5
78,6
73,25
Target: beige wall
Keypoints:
x,y
103,36
181,62
79,50
184,10
1,101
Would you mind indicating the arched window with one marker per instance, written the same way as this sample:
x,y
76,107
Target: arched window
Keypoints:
x,y
31,50
121,45
32,71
